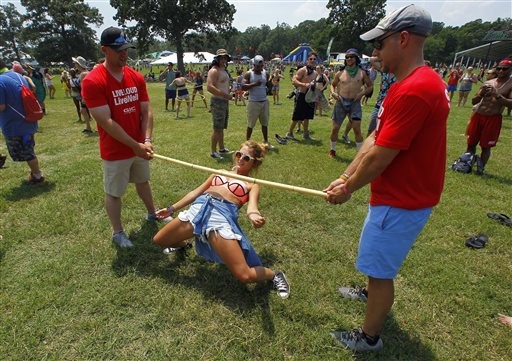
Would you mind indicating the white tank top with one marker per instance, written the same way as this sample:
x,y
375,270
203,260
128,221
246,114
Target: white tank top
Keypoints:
x,y
258,93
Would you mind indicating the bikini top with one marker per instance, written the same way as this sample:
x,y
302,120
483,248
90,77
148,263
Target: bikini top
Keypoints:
x,y
236,187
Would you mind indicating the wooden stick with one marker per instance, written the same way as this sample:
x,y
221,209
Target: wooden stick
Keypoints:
x,y
244,178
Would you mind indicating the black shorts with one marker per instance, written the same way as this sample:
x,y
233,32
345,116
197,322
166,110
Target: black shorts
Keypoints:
x,y
21,149
303,110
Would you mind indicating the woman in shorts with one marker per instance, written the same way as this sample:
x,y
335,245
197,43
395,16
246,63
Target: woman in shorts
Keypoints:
x,y
212,219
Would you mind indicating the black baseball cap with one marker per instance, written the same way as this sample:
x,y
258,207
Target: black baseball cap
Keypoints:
x,y
115,38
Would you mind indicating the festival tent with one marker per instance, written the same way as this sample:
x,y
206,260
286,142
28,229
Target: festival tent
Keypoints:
x,y
299,54
202,57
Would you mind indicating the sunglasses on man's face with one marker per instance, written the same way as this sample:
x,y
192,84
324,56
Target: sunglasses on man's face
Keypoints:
x,y
312,59
502,68
243,156
350,57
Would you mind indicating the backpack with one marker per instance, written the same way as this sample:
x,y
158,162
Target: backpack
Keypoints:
x,y
33,110
465,163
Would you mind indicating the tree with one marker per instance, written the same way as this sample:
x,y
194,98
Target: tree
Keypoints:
x,y
11,26
61,28
352,18
173,19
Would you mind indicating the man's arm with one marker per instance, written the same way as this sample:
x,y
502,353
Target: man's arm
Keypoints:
x,y
369,163
334,85
298,77
103,117
246,85
367,86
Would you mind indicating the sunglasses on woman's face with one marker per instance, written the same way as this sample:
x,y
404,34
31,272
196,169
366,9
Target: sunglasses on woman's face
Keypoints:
x,y
243,156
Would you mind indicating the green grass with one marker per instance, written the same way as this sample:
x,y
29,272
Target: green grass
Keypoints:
x,y
67,294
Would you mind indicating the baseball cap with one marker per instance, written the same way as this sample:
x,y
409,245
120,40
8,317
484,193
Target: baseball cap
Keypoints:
x,y
258,60
352,51
411,17
115,38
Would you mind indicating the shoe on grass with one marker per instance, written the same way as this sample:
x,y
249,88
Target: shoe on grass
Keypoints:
x,y
170,250
289,135
345,139
121,239
307,136
225,151
332,153
355,340
32,179
281,285
354,293
216,155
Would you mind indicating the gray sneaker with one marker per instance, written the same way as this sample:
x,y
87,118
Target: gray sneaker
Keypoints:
x,y
121,239
354,293
216,155
345,139
355,340
225,151
281,285
307,136
290,136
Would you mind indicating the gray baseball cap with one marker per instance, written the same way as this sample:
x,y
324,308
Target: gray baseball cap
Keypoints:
x,y
411,17
258,60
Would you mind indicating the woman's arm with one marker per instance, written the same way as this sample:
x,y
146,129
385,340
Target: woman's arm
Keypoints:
x,y
253,213
187,199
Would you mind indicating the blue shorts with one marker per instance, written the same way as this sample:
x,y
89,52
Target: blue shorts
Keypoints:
x,y
388,235
452,88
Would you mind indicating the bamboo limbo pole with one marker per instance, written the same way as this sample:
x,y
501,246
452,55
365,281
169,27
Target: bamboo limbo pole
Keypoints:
x,y
244,178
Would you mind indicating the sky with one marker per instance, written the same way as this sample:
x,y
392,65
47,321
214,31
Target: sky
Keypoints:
x,y
292,12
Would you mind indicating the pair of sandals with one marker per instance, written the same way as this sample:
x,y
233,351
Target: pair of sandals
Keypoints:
x,y
479,241
502,218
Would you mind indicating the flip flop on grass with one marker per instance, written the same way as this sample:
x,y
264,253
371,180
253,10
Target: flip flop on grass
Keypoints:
x,y
477,241
502,218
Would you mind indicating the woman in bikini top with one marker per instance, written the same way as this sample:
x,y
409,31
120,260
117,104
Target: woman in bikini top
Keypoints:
x,y
213,205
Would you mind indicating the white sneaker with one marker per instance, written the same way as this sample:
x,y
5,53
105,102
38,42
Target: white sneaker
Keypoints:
x,y
121,239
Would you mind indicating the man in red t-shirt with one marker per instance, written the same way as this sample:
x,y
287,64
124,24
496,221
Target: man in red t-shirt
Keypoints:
x,y
117,98
404,161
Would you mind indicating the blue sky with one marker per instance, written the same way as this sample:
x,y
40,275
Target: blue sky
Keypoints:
x,y
292,12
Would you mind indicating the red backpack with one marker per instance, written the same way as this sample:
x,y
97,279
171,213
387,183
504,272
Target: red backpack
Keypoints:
x,y
33,110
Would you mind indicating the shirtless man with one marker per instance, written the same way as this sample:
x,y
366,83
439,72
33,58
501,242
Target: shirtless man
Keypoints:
x,y
348,87
217,84
485,123
303,110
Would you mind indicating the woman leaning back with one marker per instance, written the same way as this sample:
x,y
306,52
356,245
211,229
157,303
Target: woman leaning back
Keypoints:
x,y
213,219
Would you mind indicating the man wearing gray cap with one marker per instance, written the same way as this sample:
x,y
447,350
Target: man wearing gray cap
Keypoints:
x,y
404,161
255,81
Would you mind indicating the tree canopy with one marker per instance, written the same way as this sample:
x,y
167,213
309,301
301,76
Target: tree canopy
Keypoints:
x,y
61,29
173,19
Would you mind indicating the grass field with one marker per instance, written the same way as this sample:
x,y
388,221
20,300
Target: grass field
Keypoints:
x,y
66,293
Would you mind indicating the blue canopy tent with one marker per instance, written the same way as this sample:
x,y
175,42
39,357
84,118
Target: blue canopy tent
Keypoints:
x,y
300,54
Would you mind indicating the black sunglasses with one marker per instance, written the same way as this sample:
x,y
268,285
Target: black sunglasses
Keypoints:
x,y
377,43
504,68
350,57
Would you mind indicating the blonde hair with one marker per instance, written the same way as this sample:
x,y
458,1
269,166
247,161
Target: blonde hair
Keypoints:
x,y
257,150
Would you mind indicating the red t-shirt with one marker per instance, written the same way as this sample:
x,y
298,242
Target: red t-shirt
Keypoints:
x,y
412,118
123,98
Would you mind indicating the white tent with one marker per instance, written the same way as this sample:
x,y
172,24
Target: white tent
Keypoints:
x,y
202,57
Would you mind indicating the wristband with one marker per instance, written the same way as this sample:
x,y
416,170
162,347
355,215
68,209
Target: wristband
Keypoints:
x,y
148,139
344,177
170,209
